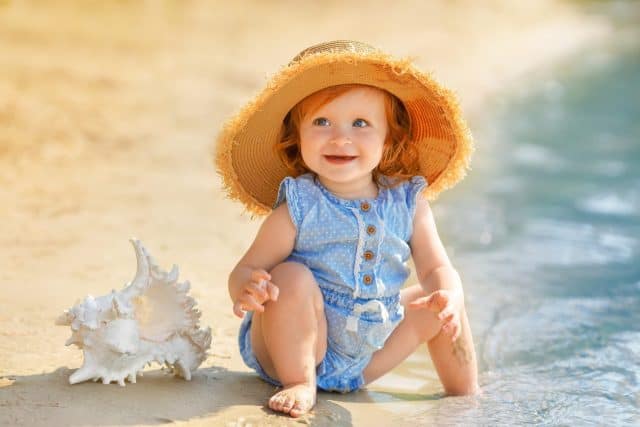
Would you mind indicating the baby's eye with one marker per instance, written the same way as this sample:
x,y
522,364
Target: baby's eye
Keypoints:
x,y
320,121
360,123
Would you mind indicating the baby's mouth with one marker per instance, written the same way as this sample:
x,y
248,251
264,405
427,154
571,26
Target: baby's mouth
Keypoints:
x,y
339,159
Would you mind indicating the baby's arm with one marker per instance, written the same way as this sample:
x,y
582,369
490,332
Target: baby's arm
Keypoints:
x,y
273,243
437,276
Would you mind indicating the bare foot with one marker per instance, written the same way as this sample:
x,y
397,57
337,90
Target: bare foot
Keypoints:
x,y
295,400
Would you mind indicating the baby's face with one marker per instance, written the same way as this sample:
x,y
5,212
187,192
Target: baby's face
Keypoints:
x,y
342,141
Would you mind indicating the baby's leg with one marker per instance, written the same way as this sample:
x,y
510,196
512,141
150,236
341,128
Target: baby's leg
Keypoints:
x,y
455,362
290,338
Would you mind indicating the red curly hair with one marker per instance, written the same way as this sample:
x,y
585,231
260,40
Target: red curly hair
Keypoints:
x,y
399,156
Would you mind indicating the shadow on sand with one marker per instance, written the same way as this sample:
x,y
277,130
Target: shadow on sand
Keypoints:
x,y
157,398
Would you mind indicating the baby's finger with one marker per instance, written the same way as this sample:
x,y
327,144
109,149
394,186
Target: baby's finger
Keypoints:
x,y
434,302
237,309
438,300
249,303
448,325
445,329
419,302
448,319
246,303
447,312
451,329
456,334
256,290
273,291
259,274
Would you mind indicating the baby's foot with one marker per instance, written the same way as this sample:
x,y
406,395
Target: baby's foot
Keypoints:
x,y
295,400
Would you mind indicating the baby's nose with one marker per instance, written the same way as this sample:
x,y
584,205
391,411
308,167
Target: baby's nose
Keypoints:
x,y
340,140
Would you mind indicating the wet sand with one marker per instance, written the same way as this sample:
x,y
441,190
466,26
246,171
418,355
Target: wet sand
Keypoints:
x,y
108,113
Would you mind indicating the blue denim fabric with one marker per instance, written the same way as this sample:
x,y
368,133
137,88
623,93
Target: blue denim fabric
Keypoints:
x,y
357,251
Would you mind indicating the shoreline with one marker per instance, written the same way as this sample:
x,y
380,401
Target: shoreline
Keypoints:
x,y
99,150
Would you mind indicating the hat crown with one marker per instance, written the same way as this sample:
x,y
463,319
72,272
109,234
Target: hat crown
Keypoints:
x,y
251,166
335,46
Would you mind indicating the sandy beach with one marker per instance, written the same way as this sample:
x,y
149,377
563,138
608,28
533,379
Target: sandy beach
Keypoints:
x,y
108,114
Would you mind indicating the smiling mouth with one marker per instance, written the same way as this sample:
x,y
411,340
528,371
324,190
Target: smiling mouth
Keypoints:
x,y
339,159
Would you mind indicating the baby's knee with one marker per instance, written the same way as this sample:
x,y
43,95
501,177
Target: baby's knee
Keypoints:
x,y
291,270
294,280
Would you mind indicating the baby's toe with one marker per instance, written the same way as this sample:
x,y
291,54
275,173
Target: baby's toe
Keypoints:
x,y
276,402
301,407
294,401
288,404
298,410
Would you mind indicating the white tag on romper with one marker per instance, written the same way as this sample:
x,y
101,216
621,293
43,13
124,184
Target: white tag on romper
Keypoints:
x,y
352,323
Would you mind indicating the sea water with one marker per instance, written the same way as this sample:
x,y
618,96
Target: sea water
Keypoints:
x,y
545,231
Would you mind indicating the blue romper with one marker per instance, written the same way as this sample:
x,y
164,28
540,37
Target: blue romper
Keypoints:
x,y
357,251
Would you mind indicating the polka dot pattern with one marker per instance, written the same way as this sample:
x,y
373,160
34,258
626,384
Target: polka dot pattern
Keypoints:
x,y
358,252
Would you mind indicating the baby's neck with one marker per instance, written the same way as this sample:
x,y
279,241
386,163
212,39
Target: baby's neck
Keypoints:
x,y
364,188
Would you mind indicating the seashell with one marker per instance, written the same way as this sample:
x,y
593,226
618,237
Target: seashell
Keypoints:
x,y
150,319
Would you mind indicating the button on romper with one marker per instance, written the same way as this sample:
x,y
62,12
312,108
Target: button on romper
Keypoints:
x,y
357,251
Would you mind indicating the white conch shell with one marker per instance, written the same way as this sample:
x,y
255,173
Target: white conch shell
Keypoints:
x,y
150,319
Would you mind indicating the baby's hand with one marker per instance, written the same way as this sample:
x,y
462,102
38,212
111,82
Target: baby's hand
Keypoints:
x,y
255,293
447,304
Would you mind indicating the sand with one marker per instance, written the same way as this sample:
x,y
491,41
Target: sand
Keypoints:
x,y
108,113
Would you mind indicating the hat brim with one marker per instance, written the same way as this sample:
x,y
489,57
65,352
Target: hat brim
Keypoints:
x,y
245,155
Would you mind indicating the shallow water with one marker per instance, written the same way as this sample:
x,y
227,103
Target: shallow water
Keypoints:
x,y
546,233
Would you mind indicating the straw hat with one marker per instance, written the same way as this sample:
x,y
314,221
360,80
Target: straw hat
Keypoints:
x,y
250,168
